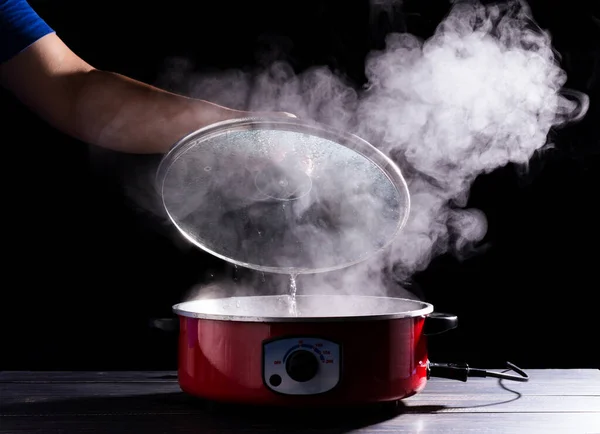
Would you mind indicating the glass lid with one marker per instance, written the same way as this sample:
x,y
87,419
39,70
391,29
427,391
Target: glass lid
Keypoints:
x,y
283,195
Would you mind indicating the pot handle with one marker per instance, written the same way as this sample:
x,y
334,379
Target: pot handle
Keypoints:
x,y
165,324
437,323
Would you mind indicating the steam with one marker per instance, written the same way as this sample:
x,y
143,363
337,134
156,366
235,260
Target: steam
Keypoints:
x,y
481,93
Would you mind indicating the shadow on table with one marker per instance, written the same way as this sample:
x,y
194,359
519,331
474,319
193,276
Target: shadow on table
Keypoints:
x,y
180,413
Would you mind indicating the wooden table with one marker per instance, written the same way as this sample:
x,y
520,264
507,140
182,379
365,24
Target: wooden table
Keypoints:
x,y
554,401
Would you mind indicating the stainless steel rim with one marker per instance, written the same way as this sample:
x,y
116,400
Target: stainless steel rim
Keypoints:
x,y
426,309
291,124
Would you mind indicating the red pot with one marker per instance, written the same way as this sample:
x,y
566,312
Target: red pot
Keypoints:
x,y
350,350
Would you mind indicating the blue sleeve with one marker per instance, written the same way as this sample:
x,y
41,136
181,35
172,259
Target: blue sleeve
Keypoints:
x,y
20,26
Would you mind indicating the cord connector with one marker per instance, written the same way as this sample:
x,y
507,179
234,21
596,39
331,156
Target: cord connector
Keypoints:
x,y
462,371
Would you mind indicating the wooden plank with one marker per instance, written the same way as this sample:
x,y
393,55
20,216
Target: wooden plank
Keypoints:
x,y
87,376
73,394
470,403
580,382
90,398
539,375
518,423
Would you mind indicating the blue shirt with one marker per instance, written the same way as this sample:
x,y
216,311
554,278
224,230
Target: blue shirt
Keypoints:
x,y
20,26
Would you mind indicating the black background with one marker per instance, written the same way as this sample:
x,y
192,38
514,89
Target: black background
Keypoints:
x,y
83,270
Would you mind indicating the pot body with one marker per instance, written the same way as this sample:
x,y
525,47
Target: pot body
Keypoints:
x,y
357,362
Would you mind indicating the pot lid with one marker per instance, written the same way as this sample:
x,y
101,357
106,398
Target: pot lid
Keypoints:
x,y
282,195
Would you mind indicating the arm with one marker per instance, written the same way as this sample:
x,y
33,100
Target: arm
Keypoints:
x,y
99,107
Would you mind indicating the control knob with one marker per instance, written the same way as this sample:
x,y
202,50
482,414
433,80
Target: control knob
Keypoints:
x,y
302,366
